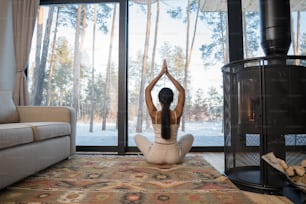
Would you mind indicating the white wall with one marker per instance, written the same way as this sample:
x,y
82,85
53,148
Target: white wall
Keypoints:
x,y
7,60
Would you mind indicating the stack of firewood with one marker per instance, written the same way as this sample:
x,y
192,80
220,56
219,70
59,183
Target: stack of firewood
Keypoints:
x,y
296,170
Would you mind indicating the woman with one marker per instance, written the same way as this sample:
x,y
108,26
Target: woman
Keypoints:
x,y
165,149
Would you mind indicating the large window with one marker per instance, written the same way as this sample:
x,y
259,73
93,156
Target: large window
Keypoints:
x,y
252,32
193,39
74,62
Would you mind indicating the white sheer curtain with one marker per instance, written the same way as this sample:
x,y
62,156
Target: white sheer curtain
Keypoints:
x,y
24,16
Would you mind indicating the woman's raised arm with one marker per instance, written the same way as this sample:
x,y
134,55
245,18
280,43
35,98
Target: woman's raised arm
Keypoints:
x,y
150,105
181,96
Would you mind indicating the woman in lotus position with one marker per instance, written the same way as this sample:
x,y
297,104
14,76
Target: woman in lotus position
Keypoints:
x,y
165,149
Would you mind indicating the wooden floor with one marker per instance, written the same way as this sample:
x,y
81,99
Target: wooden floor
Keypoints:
x,y
217,160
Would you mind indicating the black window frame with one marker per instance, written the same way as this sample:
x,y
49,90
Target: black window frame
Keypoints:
x,y
235,39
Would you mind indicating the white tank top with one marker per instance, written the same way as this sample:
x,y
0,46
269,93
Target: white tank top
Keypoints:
x,y
157,132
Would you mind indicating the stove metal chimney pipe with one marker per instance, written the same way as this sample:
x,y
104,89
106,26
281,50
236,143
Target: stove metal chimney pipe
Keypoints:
x,y
275,26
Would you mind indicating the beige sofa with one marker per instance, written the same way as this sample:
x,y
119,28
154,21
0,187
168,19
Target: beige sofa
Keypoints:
x,y
32,138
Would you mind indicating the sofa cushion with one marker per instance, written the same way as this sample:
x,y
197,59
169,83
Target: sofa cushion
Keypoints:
x,y
47,130
14,134
8,112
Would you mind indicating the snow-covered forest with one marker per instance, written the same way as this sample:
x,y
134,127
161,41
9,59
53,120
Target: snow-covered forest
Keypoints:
x,y
75,62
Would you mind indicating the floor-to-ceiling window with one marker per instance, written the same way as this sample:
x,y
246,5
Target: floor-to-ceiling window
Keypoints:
x,y
192,37
252,31
74,62
92,76
80,59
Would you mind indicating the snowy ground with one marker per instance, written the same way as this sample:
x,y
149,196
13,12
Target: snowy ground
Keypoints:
x,y
205,133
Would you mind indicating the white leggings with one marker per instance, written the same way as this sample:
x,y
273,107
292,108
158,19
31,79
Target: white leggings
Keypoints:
x,y
164,153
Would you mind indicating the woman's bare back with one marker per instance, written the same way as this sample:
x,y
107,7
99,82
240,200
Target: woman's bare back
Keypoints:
x,y
173,119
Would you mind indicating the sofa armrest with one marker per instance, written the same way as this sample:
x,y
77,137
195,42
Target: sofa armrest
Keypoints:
x,y
50,114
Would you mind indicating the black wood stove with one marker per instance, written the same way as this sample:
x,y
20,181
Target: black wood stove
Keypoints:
x,y
265,106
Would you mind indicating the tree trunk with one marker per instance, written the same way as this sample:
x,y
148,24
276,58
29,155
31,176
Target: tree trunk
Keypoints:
x,y
51,69
76,63
223,38
226,46
186,61
83,26
84,21
155,40
189,53
298,33
37,54
246,47
107,91
193,37
92,95
148,119
43,61
144,70
293,40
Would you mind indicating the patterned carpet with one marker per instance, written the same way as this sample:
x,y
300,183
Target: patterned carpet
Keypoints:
x,y
111,179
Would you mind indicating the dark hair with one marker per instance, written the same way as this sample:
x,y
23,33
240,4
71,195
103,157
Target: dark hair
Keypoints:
x,y
165,97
